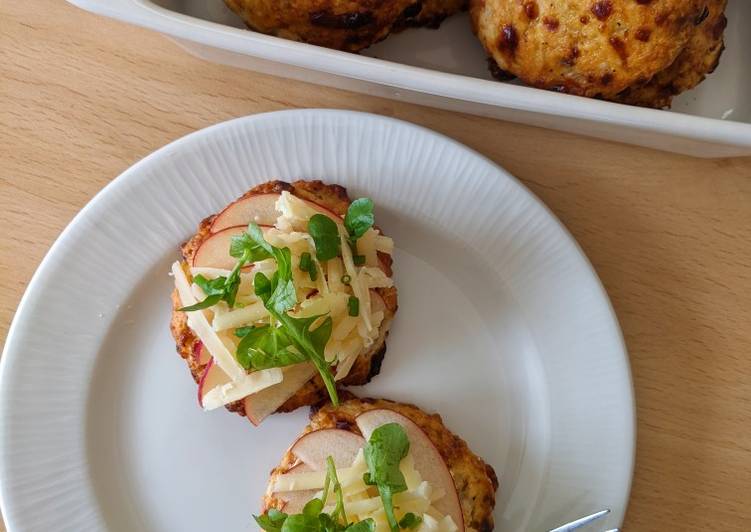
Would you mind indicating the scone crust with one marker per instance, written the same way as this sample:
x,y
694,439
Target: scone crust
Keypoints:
x,y
349,25
476,481
595,48
367,365
699,58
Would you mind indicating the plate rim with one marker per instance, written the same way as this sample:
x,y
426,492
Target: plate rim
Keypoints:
x,y
8,357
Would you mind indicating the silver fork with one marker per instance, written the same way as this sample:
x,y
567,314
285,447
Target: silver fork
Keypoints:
x,y
582,521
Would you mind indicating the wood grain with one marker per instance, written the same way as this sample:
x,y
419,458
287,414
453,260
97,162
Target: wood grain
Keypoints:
x,y
82,98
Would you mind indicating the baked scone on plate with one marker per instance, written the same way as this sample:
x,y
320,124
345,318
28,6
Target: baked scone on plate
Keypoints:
x,y
387,466
281,296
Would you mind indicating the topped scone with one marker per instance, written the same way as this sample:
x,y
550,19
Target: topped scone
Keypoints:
x,y
281,296
373,465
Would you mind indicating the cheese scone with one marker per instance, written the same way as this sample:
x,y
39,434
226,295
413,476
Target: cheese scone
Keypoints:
x,y
281,296
350,25
445,485
699,58
595,48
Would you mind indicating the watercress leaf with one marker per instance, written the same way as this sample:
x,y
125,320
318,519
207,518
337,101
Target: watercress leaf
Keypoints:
x,y
267,347
338,514
301,523
271,521
242,331
313,507
410,520
284,296
359,217
210,287
210,301
278,296
325,236
231,286
262,287
328,524
321,334
367,525
256,235
387,445
313,346
245,247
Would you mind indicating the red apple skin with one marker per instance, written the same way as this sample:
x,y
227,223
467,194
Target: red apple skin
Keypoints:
x,y
214,251
258,208
324,210
212,376
313,447
201,354
428,461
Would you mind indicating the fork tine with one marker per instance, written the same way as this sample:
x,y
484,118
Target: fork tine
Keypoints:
x,y
573,525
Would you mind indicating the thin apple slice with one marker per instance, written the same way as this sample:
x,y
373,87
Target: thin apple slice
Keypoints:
x,y
264,403
428,461
214,251
259,208
313,447
294,501
212,376
201,354
323,210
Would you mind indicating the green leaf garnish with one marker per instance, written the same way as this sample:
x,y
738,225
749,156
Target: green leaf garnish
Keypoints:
x,y
243,246
266,347
384,451
313,518
368,525
305,262
410,520
271,521
359,218
353,306
338,514
296,336
325,236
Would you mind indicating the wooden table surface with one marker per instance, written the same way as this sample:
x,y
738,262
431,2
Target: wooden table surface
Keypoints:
x,y
82,98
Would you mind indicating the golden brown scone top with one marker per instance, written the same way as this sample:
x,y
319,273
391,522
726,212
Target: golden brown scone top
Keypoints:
x,y
476,481
343,24
585,47
699,58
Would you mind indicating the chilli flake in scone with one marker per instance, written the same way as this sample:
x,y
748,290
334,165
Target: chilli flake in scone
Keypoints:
x,y
281,296
378,466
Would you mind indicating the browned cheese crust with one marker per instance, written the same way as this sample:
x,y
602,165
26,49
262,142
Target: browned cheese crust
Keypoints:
x,y
597,48
367,365
476,481
343,24
699,58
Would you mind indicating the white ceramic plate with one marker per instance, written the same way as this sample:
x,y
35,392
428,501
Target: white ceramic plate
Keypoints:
x,y
503,328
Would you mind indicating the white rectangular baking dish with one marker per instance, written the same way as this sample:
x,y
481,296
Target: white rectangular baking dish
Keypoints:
x,y
446,68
